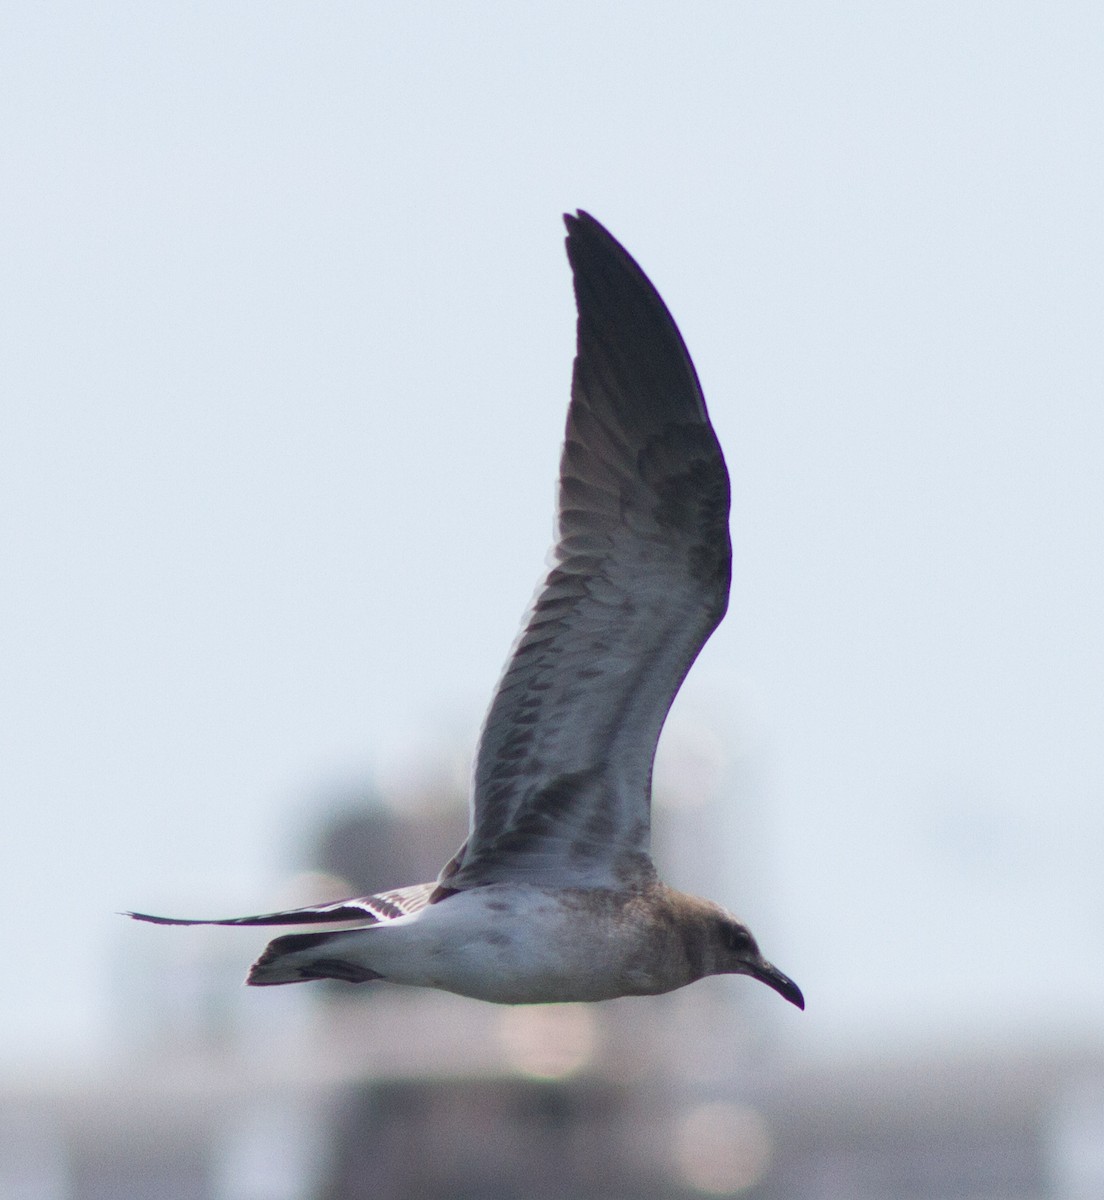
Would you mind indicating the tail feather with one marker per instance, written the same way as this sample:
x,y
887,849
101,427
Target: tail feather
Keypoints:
x,y
344,910
295,958
371,910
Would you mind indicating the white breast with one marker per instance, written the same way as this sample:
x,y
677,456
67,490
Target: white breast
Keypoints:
x,y
510,944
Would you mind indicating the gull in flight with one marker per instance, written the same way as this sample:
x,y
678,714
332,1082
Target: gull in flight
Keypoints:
x,y
553,896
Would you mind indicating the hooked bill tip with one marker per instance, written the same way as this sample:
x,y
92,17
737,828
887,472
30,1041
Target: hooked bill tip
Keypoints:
x,y
770,975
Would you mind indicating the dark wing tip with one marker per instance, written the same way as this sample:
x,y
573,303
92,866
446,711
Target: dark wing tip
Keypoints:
x,y
581,220
627,341
137,916
589,240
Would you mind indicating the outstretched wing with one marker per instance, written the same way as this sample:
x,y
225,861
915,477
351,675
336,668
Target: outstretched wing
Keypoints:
x,y
366,910
639,579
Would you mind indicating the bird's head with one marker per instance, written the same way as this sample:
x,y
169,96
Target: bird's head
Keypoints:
x,y
737,953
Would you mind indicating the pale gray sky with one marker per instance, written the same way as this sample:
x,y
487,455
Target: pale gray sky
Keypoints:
x,y
286,341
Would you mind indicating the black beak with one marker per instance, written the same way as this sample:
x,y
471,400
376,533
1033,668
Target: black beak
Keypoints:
x,y
769,974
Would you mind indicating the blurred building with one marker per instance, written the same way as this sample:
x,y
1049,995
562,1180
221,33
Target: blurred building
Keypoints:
x,y
428,1098
333,1092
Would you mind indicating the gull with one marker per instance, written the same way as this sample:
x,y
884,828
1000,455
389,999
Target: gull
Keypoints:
x,y
554,897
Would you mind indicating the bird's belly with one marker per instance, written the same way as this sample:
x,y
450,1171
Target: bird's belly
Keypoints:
x,y
520,948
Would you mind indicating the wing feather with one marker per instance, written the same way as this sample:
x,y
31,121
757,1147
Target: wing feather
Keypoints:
x,y
639,578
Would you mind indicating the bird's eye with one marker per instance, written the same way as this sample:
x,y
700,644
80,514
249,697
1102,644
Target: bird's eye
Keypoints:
x,y
739,939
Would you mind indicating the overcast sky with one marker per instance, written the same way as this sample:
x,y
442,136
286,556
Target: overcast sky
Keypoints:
x,y
286,336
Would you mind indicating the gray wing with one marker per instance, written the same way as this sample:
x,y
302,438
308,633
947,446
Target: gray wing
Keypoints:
x,y
639,579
